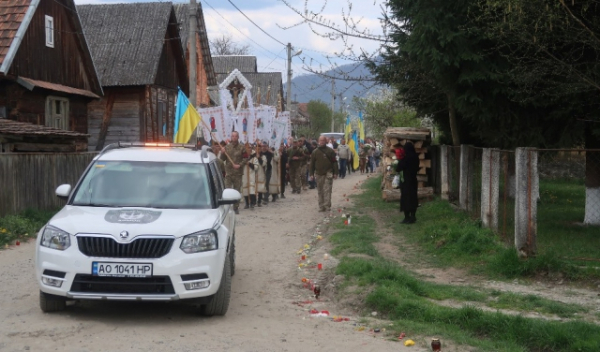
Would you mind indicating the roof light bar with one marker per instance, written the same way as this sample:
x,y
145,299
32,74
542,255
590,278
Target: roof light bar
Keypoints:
x,y
152,144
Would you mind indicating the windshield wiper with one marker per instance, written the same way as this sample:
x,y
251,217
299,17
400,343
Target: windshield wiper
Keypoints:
x,y
99,205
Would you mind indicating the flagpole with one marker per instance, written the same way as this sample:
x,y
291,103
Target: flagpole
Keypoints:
x,y
215,139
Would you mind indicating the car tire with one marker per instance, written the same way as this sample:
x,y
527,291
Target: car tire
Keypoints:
x,y
232,254
52,303
219,303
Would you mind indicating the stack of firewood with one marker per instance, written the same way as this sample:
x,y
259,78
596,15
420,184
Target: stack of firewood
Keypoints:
x,y
396,137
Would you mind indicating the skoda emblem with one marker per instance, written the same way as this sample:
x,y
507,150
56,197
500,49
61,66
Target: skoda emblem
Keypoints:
x,y
124,235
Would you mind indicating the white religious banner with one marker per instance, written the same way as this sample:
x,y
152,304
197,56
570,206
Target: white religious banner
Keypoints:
x,y
279,126
213,123
285,116
246,127
264,121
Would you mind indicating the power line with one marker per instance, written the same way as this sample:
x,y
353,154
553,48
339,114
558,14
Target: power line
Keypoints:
x,y
257,26
244,34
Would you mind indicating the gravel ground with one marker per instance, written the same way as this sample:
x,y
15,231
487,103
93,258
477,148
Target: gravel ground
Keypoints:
x,y
261,317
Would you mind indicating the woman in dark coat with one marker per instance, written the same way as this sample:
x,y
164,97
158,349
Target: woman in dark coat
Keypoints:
x,y
409,165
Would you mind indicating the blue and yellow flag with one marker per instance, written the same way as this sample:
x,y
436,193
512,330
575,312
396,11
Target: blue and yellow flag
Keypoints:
x,y
361,127
353,144
347,129
186,119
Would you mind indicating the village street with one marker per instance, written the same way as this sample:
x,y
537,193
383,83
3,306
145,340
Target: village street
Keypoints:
x,y
261,317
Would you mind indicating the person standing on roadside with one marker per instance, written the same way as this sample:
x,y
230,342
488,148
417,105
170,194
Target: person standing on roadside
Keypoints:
x,y
409,201
234,171
323,165
344,155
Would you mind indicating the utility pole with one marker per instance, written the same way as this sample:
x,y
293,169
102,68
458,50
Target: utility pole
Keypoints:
x,y
192,50
332,103
341,103
288,104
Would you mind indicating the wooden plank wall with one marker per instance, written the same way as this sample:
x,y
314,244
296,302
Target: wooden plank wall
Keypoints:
x,y
29,180
125,116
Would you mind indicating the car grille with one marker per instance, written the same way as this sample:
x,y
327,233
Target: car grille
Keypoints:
x,y
122,285
138,248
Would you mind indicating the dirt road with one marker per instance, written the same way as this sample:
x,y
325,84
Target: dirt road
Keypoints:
x,y
261,317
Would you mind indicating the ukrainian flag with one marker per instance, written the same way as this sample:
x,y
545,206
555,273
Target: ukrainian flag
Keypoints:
x,y
361,127
186,119
353,144
348,129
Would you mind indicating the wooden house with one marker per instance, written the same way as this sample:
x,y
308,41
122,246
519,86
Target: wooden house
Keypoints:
x,y
47,75
204,64
139,58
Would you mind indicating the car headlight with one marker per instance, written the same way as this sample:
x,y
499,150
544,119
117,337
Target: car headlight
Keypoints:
x,y
200,242
55,238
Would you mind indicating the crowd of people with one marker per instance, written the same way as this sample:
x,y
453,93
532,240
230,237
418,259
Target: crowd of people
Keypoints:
x,y
262,173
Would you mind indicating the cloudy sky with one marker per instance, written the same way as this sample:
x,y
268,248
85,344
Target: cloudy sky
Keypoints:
x,y
270,15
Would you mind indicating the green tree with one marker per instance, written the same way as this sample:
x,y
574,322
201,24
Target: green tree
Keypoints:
x,y
382,110
320,118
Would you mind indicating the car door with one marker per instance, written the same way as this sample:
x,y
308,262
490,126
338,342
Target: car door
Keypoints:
x,y
225,211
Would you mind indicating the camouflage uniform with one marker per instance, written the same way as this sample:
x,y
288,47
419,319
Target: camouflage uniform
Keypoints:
x,y
324,166
221,164
233,177
296,167
304,169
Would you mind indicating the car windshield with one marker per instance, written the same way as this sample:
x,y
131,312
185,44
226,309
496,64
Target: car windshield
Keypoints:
x,y
145,184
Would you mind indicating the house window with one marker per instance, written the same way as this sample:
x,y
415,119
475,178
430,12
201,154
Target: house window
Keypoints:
x,y
49,31
57,112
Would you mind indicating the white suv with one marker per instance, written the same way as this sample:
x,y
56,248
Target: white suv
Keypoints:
x,y
146,221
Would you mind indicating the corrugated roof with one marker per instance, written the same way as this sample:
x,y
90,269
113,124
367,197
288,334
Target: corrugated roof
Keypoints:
x,y
12,13
183,16
126,40
28,129
258,80
227,63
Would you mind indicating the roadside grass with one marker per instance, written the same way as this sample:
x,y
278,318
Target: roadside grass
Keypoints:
x,y
561,210
446,237
400,297
22,226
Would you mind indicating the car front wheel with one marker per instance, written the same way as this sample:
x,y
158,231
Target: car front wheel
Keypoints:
x,y
219,304
52,303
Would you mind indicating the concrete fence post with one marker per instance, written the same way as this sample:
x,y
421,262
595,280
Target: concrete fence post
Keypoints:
x,y
465,188
527,188
490,188
445,169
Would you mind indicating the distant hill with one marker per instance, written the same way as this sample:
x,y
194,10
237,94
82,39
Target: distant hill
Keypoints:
x,y
317,87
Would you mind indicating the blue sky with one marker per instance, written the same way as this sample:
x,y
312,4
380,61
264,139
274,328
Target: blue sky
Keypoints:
x,y
222,18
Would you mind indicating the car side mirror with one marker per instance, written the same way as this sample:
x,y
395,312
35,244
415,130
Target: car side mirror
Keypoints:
x,y
230,196
63,191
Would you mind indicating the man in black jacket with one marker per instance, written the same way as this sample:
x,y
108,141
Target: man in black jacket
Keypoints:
x,y
264,159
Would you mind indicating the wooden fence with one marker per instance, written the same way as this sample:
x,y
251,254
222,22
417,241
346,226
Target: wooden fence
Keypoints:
x,y
29,180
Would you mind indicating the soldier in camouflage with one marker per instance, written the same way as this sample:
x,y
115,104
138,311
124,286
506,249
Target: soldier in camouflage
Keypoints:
x,y
296,158
324,166
234,171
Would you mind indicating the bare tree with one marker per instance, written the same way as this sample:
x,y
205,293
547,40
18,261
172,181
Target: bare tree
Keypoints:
x,y
351,27
225,45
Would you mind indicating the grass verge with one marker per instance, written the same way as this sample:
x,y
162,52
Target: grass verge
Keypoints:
x,y
22,226
451,238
